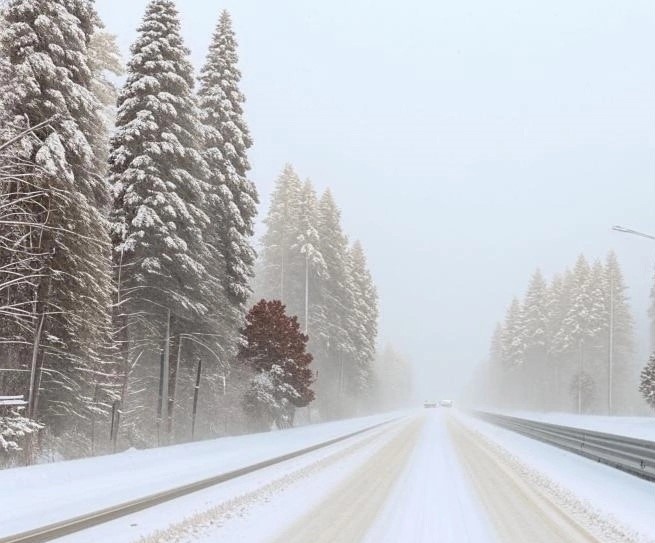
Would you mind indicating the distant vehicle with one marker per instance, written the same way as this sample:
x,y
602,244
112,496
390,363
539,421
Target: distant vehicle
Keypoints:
x,y
446,403
429,404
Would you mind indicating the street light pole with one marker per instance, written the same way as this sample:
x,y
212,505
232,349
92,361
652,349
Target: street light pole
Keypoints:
x,y
610,369
632,232
624,230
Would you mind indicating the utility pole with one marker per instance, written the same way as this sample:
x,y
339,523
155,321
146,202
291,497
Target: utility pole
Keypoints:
x,y
165,368
580,374
34,389
196,391
306,292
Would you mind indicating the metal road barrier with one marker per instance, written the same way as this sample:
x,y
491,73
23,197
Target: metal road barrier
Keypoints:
x,y
634,456
95,518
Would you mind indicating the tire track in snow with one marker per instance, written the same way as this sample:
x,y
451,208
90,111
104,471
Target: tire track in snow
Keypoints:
x,y
522,505
347,513
204,524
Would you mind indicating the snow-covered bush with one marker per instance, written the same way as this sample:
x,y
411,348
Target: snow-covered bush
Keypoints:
x,y
14,430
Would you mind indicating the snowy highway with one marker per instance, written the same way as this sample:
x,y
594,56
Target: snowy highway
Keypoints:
x,y
429,476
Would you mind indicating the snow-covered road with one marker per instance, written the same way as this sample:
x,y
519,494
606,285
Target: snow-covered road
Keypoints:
x,y
431,476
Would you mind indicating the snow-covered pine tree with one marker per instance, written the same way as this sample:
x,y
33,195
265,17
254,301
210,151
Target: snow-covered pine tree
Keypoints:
x,y
513,351
513,338
557,301
104,59
647,383
581,327
365,325
618,316
50,85
226,146
335,334
535,323
281,270
492,387
307,245
159,178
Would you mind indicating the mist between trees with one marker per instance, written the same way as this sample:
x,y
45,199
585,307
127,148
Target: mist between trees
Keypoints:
x,y
567,346
127,262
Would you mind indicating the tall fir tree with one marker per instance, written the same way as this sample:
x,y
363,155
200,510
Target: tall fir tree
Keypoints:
x,y
575,340
159,181
105,59
557,302
365,325
535,324
280,267
513,338
306,244
578,325
157,172
618,335
647,382
494,385
227,142
336,350
513,352
49,85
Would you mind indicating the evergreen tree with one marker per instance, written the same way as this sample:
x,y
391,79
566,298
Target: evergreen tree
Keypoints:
x,y
336,348
307,246
226,145
495,374
159,186
578,326
535,317
49,85
647,384
281,270
104,59
156,169
535,325
366,316
513,350
274,350
618,317
557,300
513,338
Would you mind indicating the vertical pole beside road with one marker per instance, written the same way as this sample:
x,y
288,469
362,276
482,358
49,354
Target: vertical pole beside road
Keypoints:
x,y
610,362
196,392
165,368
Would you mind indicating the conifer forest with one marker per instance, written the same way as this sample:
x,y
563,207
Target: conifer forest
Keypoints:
x,y
131,281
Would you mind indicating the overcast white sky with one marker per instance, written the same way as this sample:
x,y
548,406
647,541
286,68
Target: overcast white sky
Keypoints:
x,y
466,142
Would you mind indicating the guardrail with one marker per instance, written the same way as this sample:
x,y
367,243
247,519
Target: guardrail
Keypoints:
x,y
95,518
634,456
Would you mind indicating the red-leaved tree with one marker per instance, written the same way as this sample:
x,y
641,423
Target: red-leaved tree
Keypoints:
x,y
274,351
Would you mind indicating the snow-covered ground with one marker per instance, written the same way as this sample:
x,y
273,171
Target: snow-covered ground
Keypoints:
x,y
38,495
639,427
600,494
402,484
433,475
